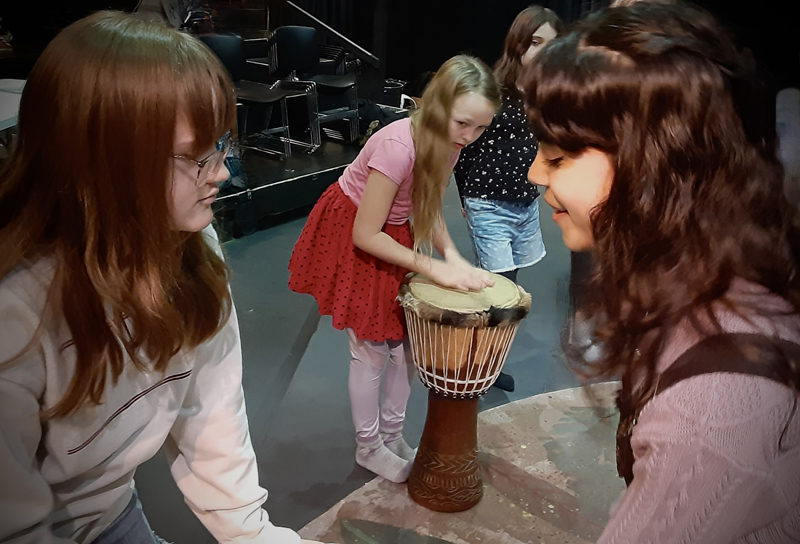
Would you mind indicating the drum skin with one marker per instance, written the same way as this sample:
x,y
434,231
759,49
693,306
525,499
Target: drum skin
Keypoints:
x,y
459,344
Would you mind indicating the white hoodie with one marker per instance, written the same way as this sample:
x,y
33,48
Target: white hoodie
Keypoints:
x,y
67,479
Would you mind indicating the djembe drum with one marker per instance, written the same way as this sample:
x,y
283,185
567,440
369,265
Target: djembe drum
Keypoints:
x,y
459,341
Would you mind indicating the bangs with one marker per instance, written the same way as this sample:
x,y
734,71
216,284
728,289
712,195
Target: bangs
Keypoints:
x,y
126,81
206,96
577,97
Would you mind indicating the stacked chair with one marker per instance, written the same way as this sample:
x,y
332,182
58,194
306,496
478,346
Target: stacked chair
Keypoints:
x,y
290,69
330,97
252,95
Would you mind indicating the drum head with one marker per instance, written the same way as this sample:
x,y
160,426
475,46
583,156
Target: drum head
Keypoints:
x,y
505,301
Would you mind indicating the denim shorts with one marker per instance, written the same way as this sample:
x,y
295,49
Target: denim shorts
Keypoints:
x,y
505,235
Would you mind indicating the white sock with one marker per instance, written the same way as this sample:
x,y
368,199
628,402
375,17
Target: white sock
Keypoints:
x,y
398,445
380,460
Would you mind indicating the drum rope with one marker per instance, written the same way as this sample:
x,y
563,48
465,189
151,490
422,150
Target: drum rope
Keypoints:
x,y
481,355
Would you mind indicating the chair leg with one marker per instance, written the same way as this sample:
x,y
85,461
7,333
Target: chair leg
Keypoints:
x,y
241,114
309,90
313,118
281,133
353,92
287,138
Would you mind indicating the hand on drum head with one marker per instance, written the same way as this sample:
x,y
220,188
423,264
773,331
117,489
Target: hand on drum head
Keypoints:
x,y
459,274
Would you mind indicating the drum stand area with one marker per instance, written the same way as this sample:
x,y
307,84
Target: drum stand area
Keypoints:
x,y
445,476
457,365
299,412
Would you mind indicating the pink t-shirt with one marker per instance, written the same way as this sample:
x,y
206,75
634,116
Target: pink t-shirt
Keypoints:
x,y
390,151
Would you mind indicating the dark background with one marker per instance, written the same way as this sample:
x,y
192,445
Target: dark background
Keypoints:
x,y
412,37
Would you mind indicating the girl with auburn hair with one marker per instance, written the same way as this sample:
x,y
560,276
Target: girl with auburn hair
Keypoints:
x,y
358,245
653,159
523,43
117,330
497,201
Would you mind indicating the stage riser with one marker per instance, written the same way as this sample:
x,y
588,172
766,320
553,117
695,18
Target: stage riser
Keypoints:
x,y
241,214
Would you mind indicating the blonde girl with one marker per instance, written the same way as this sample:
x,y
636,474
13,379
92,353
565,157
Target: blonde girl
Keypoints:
x,y
358,244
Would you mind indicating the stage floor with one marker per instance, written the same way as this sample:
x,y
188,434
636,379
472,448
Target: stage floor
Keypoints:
x,y
549,475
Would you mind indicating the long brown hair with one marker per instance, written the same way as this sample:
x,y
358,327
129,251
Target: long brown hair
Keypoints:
x,y
432,147
518,40
696,198
87,186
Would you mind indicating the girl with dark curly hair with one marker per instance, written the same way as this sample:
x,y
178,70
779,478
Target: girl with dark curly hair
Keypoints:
x,y
654,159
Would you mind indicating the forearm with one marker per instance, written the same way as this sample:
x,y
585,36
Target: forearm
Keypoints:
x,y
210,453
386,248
26,500
368,236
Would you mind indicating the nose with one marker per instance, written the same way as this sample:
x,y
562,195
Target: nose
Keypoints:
x,y
471,135
536,173
223,174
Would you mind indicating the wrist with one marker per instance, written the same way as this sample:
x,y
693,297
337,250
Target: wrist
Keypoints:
x,y
453,256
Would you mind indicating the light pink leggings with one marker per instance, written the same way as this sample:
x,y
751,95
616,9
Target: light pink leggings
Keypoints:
x,y
371,413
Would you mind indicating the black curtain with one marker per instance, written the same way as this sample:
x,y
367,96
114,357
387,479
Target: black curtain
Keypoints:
x,y
422,34
342,15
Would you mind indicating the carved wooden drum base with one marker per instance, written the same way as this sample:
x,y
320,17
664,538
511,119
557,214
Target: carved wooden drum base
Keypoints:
x,y
445,475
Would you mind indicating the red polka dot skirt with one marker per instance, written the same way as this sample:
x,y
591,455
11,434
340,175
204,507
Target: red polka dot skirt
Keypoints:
x,y
356,289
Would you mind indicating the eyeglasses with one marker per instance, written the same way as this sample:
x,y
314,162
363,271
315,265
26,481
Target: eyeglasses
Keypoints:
x,y
209,166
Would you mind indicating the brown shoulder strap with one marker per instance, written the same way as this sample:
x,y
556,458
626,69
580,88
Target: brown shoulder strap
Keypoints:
x,y
739,353
753,354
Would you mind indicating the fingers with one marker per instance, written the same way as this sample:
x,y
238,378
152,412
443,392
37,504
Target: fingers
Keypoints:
x,y
487,278
461,275
478,279
468,279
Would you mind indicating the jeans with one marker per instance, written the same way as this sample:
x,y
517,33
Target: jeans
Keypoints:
x,y
130,527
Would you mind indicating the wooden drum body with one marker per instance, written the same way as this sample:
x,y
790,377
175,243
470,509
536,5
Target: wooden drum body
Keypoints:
x,y
459,342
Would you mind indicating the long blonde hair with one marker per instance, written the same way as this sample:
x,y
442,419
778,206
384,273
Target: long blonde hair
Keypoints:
x,y
430,124
87,186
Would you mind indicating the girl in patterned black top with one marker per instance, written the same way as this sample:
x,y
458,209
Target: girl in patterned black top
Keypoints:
x,y
497,200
